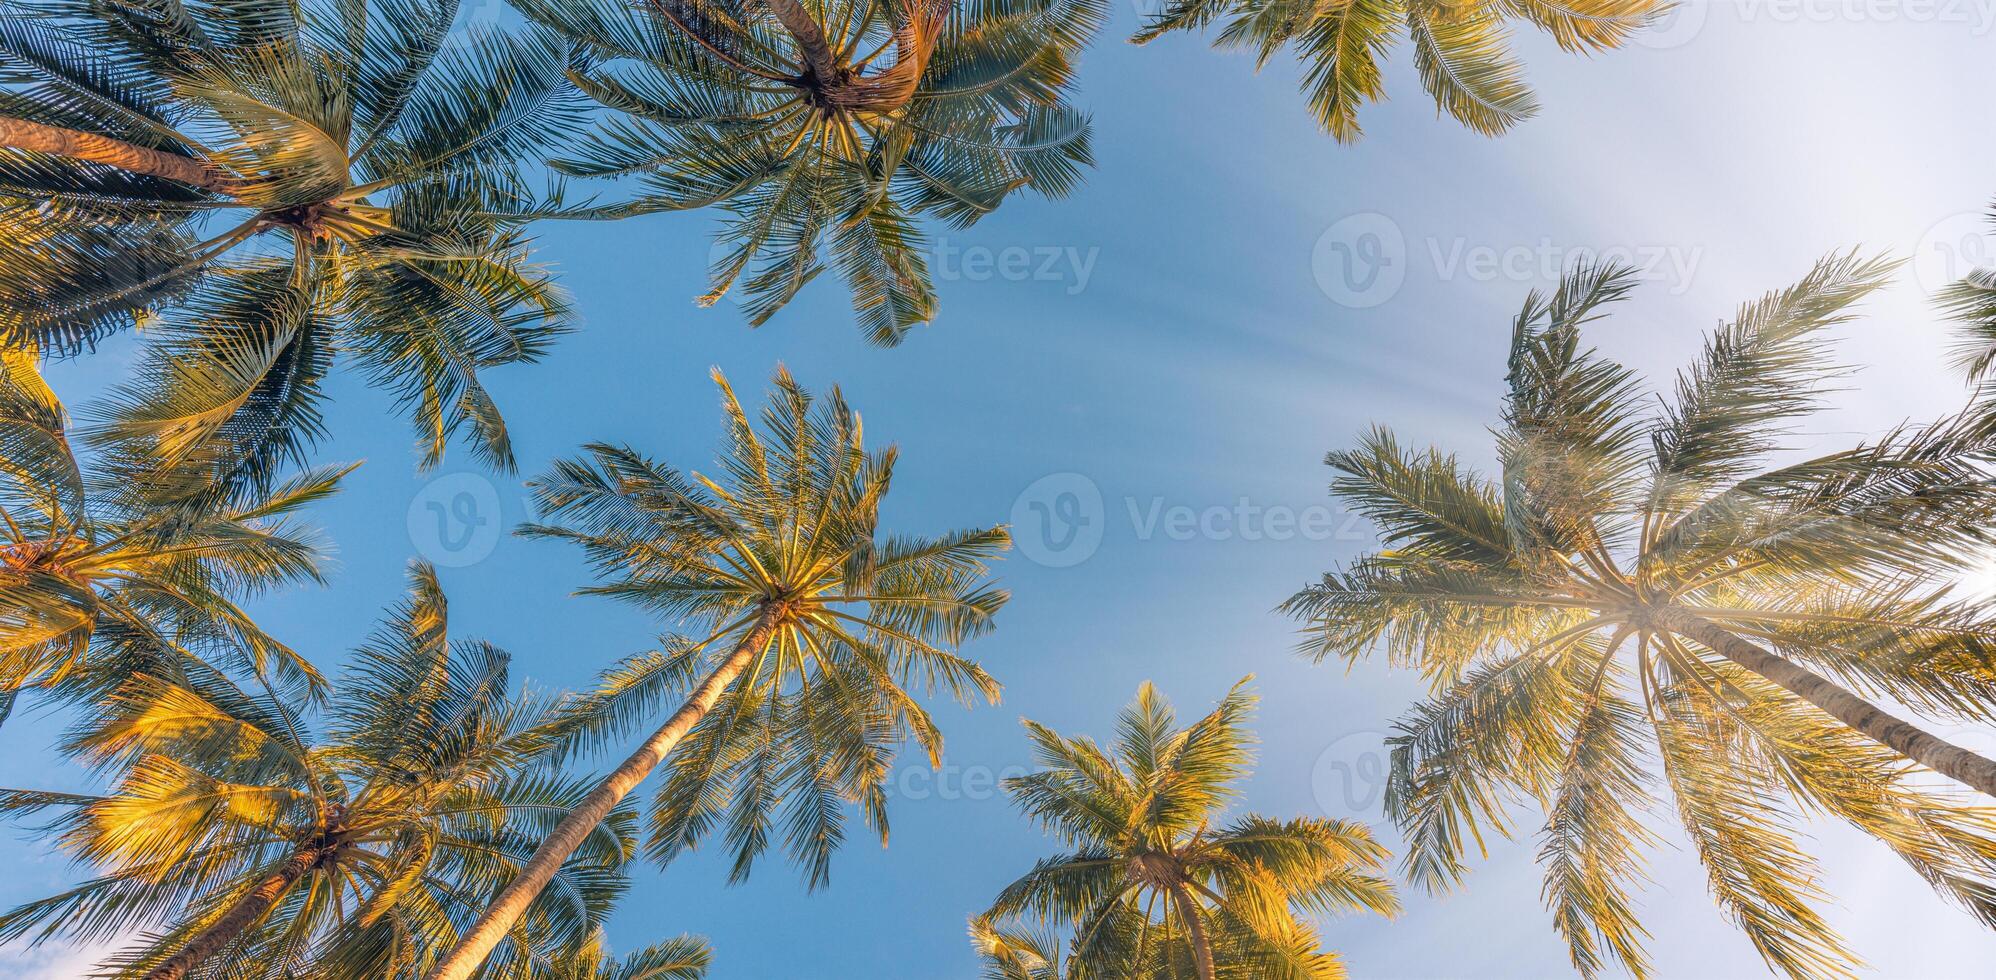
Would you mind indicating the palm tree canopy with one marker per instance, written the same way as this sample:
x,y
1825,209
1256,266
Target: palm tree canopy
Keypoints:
x,y
788,528
1138,816
98,582
414,800
678,958
826,129
363,196
1462,48
1571,614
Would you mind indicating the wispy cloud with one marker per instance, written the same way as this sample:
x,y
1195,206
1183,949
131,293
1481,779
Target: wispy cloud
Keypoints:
x,y
52,961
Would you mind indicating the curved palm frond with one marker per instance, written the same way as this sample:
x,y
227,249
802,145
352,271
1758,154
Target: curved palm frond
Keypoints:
x,y
1462,48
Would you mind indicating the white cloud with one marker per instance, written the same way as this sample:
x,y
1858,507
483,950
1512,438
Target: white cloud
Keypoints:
x,y
52,961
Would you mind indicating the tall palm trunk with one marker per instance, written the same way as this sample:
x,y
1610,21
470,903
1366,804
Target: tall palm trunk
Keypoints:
x,y
20,134
809,36
839,85
1888,730
245,913
477,942
1195,930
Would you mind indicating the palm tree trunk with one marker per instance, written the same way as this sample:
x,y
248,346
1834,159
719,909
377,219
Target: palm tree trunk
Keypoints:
x,y
1195,930
477,942
1888,730
245,913
810,38
20,134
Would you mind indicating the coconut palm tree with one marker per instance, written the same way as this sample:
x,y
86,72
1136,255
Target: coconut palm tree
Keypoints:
x,y
1462,48
98,582
812,629
1641,588
275,182
826,130
266,851
1150,886
679,958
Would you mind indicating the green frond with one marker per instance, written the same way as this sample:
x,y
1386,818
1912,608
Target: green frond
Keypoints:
x,y
1461,47
1463,54
1573,435
1463,758
1593,837
1588,25
1438,617
1758,373
1764,883
1011,953
1424,504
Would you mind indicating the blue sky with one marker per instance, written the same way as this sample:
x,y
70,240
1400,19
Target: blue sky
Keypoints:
x,y
1171,341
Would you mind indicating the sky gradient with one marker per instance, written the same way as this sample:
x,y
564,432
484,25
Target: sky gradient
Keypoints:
x,y
1183,339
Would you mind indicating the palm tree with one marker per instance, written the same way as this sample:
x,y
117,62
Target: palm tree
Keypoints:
x,y
812,628
276,182
790,116
271,853
678,958
1462,48
97,582
1642,576
1150,887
